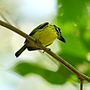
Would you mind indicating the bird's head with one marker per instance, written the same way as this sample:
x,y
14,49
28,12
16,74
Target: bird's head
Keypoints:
x,y
59,34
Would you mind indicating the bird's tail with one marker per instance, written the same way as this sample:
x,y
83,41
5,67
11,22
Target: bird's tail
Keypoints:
x,y
20,51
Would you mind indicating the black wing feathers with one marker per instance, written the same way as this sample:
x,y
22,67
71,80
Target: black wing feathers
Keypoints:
x,y
38,27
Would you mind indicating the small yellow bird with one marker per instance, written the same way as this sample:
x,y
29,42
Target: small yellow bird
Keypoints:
x,y
46,33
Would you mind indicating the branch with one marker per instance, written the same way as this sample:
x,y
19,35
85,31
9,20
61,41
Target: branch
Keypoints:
x,y
58,58
81,84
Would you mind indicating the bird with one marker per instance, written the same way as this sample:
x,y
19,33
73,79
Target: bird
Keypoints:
x,y
45,33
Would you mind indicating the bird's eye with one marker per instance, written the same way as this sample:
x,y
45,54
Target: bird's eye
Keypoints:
x,y
59,29
56,28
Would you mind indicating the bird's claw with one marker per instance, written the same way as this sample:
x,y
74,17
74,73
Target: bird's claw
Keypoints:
x,y
49,49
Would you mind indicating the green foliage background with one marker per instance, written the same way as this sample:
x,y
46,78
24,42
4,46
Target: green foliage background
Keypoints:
x,y
73,16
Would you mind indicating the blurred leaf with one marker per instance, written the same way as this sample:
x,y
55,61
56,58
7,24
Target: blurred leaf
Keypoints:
x,y
24,68
88,71
71,10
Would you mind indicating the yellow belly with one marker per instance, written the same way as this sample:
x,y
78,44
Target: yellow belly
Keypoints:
x,y
46,36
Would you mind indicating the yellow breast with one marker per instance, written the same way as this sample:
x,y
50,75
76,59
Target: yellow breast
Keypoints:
x,y
46,35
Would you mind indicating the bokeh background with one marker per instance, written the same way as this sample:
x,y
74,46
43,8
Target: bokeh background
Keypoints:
x,y
36,70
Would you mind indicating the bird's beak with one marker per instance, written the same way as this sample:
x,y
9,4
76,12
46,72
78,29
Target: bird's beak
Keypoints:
x,y
62,39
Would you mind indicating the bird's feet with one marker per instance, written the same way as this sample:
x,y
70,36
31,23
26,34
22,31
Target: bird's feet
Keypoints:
x,y
48,50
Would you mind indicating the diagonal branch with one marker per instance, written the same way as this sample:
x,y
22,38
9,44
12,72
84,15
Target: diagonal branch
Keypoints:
x,y
58,58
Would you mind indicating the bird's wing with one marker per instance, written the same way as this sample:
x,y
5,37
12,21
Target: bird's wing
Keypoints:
x,y
38,27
